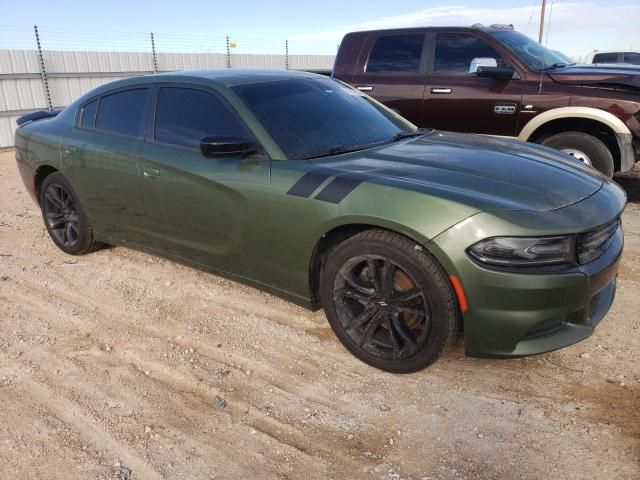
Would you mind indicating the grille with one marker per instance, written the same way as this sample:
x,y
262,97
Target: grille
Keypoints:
x,y
592,244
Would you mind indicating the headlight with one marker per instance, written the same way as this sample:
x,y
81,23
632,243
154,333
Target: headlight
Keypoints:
x,y
524,251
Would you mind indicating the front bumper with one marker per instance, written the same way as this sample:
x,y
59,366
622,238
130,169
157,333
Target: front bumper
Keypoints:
x,y
570,311
513,314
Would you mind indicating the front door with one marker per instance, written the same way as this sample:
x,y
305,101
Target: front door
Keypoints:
x,y
458,101
207,210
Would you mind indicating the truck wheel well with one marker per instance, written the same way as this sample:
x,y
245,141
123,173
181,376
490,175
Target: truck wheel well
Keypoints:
x,y
585,125
38,178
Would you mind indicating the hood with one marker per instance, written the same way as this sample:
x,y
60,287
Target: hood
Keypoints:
x,y
605,74
486,173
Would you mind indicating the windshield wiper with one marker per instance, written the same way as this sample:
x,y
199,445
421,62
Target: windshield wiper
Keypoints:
x,y
414,133
338,149
334,151
556,65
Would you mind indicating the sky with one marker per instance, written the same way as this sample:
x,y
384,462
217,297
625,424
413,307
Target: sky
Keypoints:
x,y
575,27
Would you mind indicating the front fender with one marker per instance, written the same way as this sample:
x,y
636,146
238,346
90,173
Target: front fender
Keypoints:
x,y
590,113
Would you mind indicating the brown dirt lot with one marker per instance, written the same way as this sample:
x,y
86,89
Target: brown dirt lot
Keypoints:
x,y
110,365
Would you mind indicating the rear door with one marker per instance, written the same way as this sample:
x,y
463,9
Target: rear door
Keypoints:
x,y
391,70
100,157
208,210
458,101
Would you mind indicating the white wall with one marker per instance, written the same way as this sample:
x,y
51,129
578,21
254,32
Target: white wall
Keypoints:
x,y
73,73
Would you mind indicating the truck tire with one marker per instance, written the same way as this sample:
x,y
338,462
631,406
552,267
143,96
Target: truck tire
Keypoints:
x,y
584,147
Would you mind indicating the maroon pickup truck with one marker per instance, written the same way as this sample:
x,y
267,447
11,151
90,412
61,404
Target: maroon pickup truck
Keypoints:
x,y
496,81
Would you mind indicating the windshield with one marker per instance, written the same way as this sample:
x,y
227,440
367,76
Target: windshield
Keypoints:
x,y
310,117
536,56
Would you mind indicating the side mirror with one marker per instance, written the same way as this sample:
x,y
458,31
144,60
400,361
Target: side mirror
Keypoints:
x,y
488,67
482,62
216,147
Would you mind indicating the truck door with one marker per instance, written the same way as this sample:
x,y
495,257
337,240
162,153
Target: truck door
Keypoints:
x,y
391,70
459,101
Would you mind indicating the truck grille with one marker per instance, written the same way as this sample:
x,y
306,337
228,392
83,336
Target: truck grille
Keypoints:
x,y
592,244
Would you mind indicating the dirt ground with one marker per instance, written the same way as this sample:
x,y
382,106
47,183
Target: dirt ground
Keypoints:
x,y
123,365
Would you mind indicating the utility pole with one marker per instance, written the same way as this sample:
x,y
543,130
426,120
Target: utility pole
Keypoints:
x,y
544,4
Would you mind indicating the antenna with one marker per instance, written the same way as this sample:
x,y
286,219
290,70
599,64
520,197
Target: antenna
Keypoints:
x,y
546,42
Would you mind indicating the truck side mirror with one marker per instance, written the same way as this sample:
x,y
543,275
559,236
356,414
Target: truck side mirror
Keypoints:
x,y
481,62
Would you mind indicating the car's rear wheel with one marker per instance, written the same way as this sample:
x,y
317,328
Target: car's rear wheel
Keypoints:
x,y
584,147
388,302
64,217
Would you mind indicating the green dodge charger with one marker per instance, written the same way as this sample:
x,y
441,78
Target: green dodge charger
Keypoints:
x,y
306,188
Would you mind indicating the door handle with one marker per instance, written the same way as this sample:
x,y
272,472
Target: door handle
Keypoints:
x,y
70,149
150,172
440,90
365,88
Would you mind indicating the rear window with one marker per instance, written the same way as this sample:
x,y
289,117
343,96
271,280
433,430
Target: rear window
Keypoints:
x,y
632,57
122,112
605,58
396,54
88,114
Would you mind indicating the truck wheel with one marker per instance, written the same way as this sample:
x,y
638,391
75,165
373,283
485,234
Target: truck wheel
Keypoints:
x,y
389,303
585,148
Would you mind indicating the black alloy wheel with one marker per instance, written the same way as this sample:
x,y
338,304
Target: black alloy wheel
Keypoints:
x,y
64,217
389,301
60,214
381,307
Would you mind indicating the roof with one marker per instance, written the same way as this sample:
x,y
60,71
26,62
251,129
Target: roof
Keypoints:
x,y
222,77
475,27
231,77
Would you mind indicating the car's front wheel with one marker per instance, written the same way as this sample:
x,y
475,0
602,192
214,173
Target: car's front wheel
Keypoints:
x,y
390,303
64,217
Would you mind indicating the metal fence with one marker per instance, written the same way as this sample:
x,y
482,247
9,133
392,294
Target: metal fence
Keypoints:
x,y
44,69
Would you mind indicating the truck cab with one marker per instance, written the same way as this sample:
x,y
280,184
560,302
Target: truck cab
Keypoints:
x,y
495,81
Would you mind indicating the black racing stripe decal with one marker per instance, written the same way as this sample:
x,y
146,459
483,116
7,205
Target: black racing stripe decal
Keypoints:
x,y
307,184
338,189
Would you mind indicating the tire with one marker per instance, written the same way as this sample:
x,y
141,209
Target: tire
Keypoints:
x,y
401,319
576,143
64,217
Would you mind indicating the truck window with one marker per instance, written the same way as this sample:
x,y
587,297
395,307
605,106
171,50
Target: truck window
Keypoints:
x,y
454,52
605,58
396,54
632,57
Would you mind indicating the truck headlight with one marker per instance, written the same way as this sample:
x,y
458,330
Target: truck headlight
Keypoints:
x,y
524,251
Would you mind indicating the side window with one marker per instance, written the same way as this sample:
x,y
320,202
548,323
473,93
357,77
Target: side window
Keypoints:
x,y
632,57
605,58
122,112
88,114
184,116
396,54
454,52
